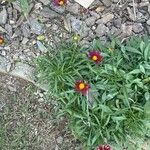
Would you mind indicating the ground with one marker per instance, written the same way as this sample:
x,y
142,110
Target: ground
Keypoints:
x,y
26,116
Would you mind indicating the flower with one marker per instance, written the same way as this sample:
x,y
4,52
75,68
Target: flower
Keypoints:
x,y
59,2
95,56
76,38
1,40
81,86
104,147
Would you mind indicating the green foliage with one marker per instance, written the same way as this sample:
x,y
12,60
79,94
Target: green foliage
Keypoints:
x,y
118,102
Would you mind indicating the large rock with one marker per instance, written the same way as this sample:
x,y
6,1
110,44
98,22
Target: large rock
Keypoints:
x,y
73,8
106,18
90,21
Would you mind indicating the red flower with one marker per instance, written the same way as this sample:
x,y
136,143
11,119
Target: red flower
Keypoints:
x,y
104,147
95,56
107,147
81,86
59,2
1,40
100,147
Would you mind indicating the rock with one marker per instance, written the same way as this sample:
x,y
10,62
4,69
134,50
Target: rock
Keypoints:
x,y
36,27
73,8
58,9
94,14
101,30
3,63
25,40
90,21
131,14
8,28
148,29
148,22
59,140
55,27
45,2
137,27
107,3
47,13
23,70
117,22
100,9
3,16
25,30
76,24
105,18
127,29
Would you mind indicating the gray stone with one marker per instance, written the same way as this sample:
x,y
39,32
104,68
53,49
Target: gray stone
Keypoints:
x,y
23,70
73,8
76,24
137,27
127,29
117,22
45,2
36,27
148,22
3,16
25,30
148,29
59,140
101,30
58,9
105,18
47,13
8,28
107,3
3,63
90,21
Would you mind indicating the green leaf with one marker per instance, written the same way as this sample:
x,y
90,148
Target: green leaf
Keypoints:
x,y
135,71
147,52
24,7
133,50
147,109
142,45
147,96
142,69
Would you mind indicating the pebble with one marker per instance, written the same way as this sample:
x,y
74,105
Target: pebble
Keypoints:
x,y
105,18
25,40
117,22
148,22
8,28
73,8
90,21
107,3
48,13
3,16
25,30
101,30
137,27
59,140
76,24
36,27
127,29
45,2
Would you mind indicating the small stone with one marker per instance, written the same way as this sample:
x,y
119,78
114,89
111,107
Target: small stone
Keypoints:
x,y
94,14
3,16
47,13
54,27
127,29
59,140
90,21
3,53
25,30
8,28
36,27
148,29
101,30
137,27
107,3
148,22
105,18
3,63
45,2
25,40
58,9
76,24
73,8
117,22
100,9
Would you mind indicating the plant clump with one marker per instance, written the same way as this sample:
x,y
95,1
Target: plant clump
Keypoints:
x,y
104,90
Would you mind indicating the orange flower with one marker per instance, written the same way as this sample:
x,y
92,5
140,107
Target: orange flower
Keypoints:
x,y
81,86
95,56
60,2
1,41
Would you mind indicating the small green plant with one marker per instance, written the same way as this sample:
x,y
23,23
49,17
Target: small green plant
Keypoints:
x,y
104,89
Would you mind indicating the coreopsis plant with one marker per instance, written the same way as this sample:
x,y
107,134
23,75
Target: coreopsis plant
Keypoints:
x,y
104,90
